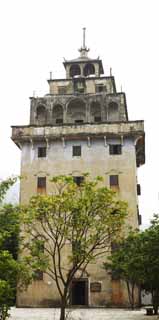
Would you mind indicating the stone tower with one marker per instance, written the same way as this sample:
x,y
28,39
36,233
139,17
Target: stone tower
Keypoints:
x,y
80,126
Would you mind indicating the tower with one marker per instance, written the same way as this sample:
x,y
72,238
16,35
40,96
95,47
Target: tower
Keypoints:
x,y
81,126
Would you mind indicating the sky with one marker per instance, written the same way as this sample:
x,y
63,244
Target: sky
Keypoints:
x,y
35,36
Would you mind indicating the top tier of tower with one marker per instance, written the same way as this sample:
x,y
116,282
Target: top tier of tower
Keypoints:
x,y
83,66
83,75
86,95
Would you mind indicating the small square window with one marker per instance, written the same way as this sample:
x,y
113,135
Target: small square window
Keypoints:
x,y
38,275
100,88
76,151
114,181
97,119
41,185
78,180
59,121
115,149
79,121
41,152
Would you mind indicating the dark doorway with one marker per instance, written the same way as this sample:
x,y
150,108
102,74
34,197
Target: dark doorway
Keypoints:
x,y
79,292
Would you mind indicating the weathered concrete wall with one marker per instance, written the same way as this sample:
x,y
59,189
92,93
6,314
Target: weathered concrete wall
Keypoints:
x,y
96,160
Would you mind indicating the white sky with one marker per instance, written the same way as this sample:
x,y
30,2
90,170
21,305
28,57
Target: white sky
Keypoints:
x,y
35,35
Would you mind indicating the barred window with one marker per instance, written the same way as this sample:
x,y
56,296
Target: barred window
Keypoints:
x,y
115,149
114,181
41,152
76,151
41,185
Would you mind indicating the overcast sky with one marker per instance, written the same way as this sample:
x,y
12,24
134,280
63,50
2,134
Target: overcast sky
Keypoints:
x,y
35,35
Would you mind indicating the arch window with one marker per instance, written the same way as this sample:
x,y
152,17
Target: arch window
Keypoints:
x,y
76,111
58,114
113,112
41,114
95,112
89,69
75,70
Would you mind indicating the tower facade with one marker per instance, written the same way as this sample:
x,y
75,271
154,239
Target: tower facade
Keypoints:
x,y
80,126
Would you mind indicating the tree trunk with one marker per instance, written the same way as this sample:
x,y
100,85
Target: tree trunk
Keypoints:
x,y
62,314
63,307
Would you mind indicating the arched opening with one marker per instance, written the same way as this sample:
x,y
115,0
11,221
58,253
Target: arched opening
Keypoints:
x,y
41,114
113,112
75,70
76,111
57,114
95,112
89,69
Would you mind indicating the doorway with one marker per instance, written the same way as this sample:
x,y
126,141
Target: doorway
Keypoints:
x,y
79,292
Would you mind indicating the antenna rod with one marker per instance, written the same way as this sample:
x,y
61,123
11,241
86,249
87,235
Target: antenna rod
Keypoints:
x,y
84,38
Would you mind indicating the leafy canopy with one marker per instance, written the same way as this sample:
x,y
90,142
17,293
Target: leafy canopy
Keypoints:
x,y
68,229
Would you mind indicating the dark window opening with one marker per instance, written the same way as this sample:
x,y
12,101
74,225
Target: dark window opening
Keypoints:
x,y
138,189
75,70
38,275
89,69
78,121
115,149
41,152
59,121
78,180
41,185
76,151
97,119
114,181
100,88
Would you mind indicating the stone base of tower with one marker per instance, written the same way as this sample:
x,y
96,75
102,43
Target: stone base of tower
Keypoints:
x,y
85,292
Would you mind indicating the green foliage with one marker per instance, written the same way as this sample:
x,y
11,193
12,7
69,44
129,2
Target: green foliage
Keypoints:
x,y
9,267
125,264
5,185
84,219
9,229
136,261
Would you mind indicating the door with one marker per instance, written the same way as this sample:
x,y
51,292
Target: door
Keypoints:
x,y
79,292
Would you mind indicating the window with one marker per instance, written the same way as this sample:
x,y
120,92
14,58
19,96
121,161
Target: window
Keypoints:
x,y
114,182
61,90
78,121
76,151
41,185
97,119
115,149
59,121
78,180
38,275
100,88
138,189
41,152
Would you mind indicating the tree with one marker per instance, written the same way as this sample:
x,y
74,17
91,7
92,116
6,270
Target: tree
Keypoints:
x,y
9,229
84,218
125,263
5,185
149,240
136,261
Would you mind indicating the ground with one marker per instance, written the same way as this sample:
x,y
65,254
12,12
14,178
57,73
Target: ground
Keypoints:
x,y
79,314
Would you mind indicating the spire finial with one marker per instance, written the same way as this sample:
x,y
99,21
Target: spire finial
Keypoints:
x,y
83,50
84,38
